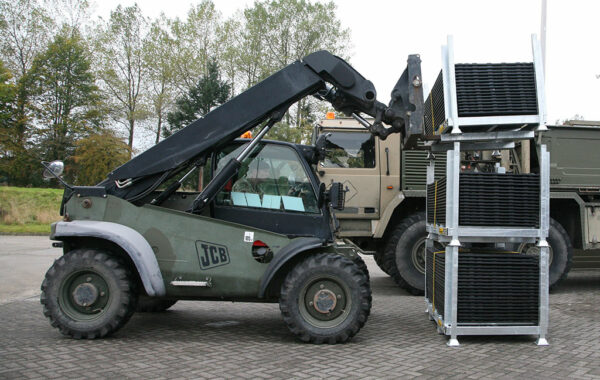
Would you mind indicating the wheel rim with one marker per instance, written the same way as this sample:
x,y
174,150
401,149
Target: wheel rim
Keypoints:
x,y
325,301
418,255
532,249
84,295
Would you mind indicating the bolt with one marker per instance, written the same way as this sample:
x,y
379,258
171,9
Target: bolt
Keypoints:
x,y
88,279
339,296
322,286
417,81
102,294
84,304
310,303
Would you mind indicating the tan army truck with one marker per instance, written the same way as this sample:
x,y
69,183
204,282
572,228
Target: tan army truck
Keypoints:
x,y
384,212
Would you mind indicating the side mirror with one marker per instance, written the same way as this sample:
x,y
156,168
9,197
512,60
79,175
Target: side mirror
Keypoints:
x,y
53,169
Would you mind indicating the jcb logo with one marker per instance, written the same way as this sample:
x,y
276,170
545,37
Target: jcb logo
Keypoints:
x,y
211,255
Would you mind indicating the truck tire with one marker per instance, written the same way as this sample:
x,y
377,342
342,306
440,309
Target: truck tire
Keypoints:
x,y
379,260
148,304
325,299
88,294
404,254
560,253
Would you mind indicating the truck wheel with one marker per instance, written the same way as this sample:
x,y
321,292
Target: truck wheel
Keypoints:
x,y
560,255
379,260
325,299
88,294
148,304
404,254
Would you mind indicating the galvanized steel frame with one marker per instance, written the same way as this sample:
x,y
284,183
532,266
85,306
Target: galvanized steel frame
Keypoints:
x,y
452,233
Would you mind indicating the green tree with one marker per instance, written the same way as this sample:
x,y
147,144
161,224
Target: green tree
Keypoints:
x,y
8,96
210,91
96,155
25,29
194,43
64,95
272,34
160,73
121,67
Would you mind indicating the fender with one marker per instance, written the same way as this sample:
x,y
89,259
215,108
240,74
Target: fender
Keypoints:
x,y
381,225
127,238
294,248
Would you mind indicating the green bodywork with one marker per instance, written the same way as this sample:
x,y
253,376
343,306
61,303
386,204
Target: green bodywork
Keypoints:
x,y
177,239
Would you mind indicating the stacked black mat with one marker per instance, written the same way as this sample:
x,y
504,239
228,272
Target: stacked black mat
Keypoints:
x,y
495,89
487,89
493,287
436,202
489,199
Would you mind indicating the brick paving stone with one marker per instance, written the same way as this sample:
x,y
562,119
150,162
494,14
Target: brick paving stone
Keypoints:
x,y
249,340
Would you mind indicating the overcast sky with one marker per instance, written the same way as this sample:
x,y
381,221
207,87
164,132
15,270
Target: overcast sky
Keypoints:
x,y
385,32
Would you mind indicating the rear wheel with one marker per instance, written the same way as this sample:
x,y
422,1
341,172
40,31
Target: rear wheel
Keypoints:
x,y
325,299
88,294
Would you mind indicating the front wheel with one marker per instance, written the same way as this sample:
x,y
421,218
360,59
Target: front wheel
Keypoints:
x,y
325,299
560,253
404,253
88,294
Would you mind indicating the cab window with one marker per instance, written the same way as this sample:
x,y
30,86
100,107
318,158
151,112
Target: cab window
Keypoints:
x,y
349,150
271,177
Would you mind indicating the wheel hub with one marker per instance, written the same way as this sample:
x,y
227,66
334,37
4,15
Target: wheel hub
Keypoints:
x,y
324,301
85,294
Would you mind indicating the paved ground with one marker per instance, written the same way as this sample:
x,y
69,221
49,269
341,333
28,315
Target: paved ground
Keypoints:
x,y
240,340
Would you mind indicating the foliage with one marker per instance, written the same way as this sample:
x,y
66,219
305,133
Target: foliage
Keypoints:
x,y
96,156
65,97
209,92
28,210
160,72
120,63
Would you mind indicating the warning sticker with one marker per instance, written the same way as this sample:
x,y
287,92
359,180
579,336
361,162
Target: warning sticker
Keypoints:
x,y
249,236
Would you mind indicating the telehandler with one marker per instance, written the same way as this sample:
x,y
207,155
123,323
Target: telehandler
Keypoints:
x,y
261,230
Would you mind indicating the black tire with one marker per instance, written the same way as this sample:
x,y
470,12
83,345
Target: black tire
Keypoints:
x,y
561,253
344,289
88,294
148,304
380,261
362,266
403,258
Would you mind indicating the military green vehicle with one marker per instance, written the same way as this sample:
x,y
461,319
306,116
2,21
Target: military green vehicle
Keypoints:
x,y
261,230
384,213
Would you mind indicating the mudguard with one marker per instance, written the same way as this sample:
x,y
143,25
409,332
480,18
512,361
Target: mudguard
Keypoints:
x,y
294,248
127,238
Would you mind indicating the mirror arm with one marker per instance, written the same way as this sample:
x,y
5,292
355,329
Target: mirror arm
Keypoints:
x,y
45,165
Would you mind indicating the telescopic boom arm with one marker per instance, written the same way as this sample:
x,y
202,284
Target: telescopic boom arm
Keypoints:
x,y
321,74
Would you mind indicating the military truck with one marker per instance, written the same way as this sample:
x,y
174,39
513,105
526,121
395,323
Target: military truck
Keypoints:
x,y
261,230
385,200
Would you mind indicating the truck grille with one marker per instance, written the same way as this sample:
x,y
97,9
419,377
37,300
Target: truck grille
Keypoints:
x,y
493,287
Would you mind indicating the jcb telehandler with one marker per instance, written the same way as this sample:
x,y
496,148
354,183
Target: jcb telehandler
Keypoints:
x,y
261,230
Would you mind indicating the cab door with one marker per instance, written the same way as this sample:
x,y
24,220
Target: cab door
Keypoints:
x,y
352,158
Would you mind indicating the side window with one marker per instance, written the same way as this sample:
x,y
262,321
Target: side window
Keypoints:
x,y
349,150
272,177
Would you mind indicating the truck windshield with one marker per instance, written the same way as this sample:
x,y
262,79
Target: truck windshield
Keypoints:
x,y
349,150
271,177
